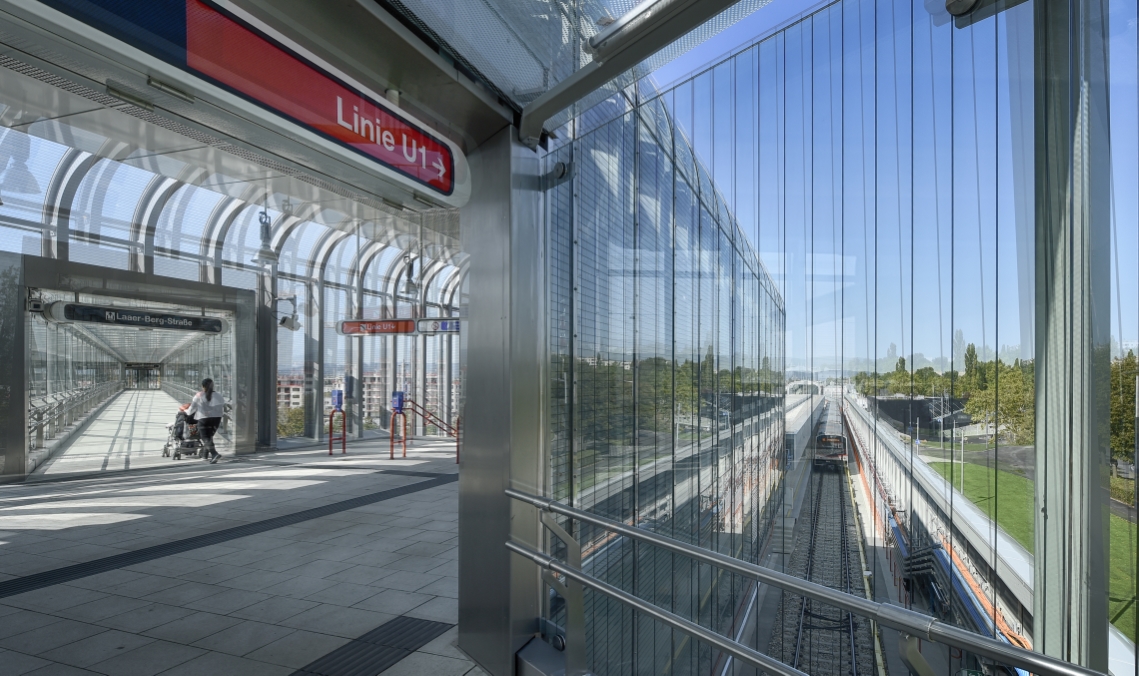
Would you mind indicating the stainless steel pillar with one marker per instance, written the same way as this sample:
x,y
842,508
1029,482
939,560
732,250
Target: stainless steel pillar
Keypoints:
x,y
504,412
314,362
1072,331
265,355
14,369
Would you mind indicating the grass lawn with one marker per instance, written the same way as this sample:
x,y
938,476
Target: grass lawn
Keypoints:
x,y
1015,501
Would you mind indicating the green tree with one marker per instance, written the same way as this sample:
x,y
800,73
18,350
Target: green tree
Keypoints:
x,y
290,422
1009,404
1123,372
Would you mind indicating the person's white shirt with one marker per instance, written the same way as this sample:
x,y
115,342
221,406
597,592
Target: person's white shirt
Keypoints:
x,y
201,408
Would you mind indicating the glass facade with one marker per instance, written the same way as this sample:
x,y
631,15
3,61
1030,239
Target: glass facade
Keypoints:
x,y
666,377
881,160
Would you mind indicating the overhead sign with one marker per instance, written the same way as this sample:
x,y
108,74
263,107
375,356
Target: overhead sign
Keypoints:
x,y
221,43
438,325
134,317
234,54
368,327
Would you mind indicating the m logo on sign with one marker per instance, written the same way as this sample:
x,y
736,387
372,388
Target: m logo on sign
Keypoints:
x,y
110,316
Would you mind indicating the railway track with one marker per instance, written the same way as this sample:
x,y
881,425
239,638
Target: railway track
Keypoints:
x,y
812,636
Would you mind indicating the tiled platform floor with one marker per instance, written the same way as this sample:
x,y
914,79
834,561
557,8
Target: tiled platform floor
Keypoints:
x,y
269,603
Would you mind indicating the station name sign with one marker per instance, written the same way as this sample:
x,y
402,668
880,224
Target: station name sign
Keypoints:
x,y
226,46
223,49
134,317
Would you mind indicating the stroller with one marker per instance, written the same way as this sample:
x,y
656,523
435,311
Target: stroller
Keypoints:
x,y
182,437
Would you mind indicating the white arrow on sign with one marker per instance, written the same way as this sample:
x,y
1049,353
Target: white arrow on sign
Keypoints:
x,y
438,164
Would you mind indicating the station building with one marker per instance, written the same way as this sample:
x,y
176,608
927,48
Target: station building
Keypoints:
x,y
522,337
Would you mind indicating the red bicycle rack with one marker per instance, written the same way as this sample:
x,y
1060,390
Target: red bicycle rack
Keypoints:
x,y
343,438
391,436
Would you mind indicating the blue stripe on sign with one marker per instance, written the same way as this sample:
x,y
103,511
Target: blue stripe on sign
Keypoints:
x,y
154,26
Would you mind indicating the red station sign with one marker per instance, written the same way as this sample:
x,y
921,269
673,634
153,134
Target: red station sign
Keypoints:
x,y
227,51
368,327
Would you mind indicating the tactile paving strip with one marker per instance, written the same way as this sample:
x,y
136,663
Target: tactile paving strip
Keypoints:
x,y
377,650
48,578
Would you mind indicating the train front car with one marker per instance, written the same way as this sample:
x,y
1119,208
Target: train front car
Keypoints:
x,y
830,441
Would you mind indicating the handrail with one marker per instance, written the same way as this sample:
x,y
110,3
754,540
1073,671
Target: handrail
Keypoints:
x,y
737,650
902,619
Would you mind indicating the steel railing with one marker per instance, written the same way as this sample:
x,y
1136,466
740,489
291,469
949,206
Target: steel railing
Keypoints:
x,y
50,414
908,622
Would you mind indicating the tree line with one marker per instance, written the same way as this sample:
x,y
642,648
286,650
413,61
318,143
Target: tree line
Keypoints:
x,y
1004,394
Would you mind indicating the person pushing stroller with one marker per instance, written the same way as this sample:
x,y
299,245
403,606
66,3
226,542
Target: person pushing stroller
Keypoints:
x,y
208,407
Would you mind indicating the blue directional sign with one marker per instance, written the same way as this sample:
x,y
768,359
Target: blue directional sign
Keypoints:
x,y
437,325
397,401
338,400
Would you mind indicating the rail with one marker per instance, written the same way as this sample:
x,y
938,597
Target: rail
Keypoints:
x,y
906,621
50,414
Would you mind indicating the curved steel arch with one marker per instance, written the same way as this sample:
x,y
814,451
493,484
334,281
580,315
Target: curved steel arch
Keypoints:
x,y
217,243
287,224
146,214
73,167
219,220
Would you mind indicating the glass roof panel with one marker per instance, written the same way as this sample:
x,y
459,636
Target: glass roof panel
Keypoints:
x,y
525,47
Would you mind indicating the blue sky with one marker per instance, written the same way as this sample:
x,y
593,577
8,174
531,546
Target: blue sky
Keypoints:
x,y
913,176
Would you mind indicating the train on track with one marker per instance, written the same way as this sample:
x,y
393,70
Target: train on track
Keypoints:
x,y
830,440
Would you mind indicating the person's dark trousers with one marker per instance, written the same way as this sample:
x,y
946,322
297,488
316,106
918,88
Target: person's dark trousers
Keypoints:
x,y
207,427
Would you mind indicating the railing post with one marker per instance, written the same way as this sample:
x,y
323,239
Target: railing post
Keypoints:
x,y
574,596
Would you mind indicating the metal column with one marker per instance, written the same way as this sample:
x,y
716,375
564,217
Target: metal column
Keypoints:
x,y
1072,331
503,421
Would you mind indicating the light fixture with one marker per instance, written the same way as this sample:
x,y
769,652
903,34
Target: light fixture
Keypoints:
x,y
410,288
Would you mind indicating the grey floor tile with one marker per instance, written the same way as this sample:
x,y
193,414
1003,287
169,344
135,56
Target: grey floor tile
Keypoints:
x,y
213,573
445,586
319,568
297,649
184,593
300,587
51,636
96,648
152,658
343,594
369,575
256,580
244,637
228,601
51,599
145,585
377,558
405,580
24,620
433,536
108,606
146,617
440,609
274,610
393,602
57,669
338,621
17,664
449,569
425,549
218,664
169,566
416,563
426,664
192,628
